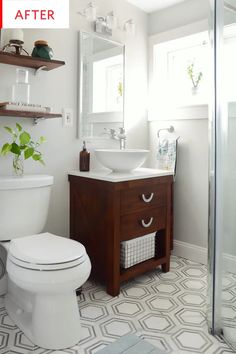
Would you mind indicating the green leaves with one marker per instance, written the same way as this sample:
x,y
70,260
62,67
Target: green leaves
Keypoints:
x,y
11,131
42,140
194,76
5,149
19,127
38,157
22,144
24,138
15,149
28,153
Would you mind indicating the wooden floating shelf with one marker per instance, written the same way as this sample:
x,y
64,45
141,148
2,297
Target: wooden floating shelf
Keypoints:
x,y
28,114
29,62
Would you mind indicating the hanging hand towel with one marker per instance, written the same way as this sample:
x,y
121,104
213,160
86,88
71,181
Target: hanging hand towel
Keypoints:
x,y
167,153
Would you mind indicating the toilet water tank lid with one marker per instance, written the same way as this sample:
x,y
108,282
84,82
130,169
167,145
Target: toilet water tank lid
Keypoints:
x,y
25,182
46,248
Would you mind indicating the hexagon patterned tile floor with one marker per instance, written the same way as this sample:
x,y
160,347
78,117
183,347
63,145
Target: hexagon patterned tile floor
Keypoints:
x,y
168,310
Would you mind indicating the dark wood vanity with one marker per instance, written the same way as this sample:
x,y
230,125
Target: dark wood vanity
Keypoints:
x,y
104,213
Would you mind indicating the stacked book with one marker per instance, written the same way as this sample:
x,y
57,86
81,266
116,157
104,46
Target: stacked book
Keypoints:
x,y
24,107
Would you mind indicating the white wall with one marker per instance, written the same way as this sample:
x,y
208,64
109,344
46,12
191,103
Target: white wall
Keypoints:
x,y
179,15
58,89
191,186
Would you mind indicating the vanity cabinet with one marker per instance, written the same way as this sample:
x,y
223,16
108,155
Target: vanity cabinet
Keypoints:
x,y
104,213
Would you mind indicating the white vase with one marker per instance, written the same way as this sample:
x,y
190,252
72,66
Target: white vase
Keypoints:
x,y
194,90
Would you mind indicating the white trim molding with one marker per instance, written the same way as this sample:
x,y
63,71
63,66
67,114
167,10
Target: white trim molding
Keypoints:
x,y
181,113
199,254
189,251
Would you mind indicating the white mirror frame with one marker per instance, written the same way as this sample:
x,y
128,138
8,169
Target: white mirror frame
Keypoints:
x,y
109,115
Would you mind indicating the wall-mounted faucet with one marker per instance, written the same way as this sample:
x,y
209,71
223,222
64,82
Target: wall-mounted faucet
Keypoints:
x,y
121,136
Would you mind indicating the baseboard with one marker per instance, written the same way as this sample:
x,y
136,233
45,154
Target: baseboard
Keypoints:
x,y
192,252
199,254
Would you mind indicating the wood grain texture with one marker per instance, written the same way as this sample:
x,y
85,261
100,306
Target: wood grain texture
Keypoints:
x,y
133,199
29,62
131,224
28,114
98,220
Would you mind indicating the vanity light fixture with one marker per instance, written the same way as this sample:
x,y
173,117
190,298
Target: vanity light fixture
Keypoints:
x,y
105,24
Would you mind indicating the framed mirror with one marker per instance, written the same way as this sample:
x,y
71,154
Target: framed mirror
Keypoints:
x,y
101,85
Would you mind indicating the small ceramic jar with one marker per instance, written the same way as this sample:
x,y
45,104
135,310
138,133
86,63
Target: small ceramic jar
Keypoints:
x,y
42,50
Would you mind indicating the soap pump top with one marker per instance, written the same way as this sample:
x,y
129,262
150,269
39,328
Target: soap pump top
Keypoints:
x,y
84,159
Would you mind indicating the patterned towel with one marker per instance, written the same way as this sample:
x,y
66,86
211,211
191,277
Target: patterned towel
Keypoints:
x,y
167,153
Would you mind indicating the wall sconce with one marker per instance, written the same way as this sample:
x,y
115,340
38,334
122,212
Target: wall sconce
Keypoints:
x,y
105,24
90,12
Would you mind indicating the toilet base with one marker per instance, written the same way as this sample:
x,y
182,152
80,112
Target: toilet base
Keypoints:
x,y
54,322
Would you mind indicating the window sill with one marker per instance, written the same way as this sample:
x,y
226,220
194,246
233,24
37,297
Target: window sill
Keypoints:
x,y
196,111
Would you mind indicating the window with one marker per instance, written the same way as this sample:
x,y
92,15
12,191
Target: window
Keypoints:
x,y
107,85
172,63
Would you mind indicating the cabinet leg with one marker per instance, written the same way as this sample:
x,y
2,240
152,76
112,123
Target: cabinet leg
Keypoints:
x,y
165,267
113,289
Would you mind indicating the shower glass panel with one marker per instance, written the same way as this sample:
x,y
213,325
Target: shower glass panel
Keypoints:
x,y
222,176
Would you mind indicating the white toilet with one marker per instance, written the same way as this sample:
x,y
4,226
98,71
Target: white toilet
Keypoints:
x,y
42,270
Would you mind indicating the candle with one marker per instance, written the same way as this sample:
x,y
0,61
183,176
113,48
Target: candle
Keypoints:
x,y
17,35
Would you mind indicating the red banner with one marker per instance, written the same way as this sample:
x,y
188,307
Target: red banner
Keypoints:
x,y
1,12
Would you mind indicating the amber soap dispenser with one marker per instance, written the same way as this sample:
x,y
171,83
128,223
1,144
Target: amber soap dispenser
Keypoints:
x,y
84,159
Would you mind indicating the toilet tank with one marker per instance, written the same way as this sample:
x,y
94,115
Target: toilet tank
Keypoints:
x,y
24,204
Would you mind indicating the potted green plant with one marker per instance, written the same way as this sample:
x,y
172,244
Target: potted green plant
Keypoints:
x,y
194,76
22,147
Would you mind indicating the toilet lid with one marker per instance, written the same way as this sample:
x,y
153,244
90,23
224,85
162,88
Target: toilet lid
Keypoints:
x,y
46,249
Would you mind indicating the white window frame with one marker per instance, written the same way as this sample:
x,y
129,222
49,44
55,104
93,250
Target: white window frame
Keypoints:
x,y
190,111
199,111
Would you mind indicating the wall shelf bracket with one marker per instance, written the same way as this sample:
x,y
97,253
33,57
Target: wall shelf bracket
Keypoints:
x,y
37,120
43,67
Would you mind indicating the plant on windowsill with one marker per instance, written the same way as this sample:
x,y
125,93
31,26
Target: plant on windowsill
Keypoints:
x,y
194,76
22,147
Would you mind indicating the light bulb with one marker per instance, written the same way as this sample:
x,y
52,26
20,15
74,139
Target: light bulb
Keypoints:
x,y
17,35
111,20
90,12
130,27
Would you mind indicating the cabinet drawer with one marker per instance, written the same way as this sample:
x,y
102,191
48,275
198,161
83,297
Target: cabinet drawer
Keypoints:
x,y
143,197
142,223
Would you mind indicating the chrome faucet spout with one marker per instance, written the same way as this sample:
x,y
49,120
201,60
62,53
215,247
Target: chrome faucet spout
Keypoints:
x,y
122,138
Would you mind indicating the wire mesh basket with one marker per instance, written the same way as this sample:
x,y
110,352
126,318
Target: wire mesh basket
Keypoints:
x,y
137,250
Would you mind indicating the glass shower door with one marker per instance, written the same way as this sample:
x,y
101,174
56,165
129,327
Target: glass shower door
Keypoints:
x,y
222,222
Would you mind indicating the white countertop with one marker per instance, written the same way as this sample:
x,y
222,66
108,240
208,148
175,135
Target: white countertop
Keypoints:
x,y
107,175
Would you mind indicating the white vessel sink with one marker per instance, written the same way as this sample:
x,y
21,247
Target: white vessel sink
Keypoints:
x,y
121,160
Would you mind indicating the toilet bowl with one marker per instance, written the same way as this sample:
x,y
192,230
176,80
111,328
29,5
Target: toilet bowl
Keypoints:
x,y
43,270
48,269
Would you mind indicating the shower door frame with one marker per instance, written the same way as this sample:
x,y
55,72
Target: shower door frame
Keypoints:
x,y
218,135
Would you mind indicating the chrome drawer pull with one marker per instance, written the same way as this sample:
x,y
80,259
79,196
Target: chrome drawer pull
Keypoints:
x,y
144,224
147,199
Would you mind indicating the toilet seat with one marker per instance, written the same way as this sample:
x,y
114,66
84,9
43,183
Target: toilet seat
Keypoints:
x,y
46,252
